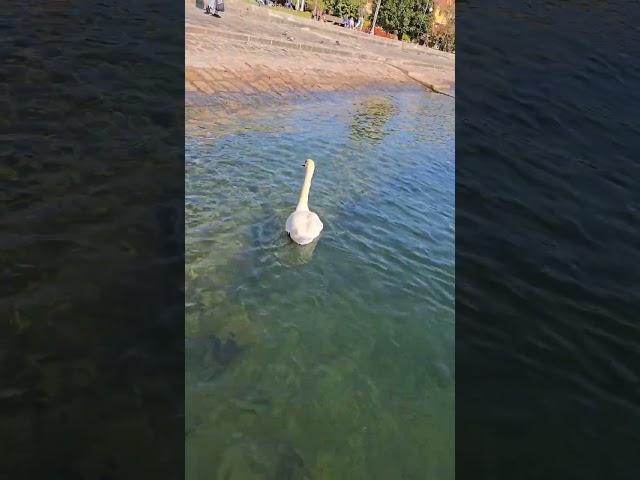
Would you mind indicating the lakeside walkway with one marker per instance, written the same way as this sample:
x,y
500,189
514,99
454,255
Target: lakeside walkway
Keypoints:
x,y
256,50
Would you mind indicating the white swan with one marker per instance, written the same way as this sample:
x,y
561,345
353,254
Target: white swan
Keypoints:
x,y
302,225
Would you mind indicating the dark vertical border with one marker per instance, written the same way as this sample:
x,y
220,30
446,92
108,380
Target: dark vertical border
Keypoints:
x,y
92,240
547,242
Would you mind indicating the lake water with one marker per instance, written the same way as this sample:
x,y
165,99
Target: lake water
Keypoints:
x,y
547,240
334,360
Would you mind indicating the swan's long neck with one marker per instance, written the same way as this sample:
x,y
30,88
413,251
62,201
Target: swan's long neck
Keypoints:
x,y
303,202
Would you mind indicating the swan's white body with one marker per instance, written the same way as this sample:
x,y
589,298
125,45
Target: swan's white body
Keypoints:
x,y
304,226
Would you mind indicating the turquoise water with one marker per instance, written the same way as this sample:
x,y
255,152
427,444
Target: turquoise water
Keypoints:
x,y
335,360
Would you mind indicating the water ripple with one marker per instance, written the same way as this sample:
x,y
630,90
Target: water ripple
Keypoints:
x,y
369,301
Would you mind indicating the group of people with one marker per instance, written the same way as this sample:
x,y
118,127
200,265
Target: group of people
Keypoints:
x,y
349,22
214,7
317,14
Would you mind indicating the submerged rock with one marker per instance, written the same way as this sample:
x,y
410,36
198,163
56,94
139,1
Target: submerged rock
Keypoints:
x,y
266,461
290,466
212,349
226,352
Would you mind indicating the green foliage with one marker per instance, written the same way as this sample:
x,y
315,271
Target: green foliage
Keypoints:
x,y
443,37
406,17
340,8
444,40
309,5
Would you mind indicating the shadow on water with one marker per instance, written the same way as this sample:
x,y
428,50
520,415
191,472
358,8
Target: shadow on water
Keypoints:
x,y
293,254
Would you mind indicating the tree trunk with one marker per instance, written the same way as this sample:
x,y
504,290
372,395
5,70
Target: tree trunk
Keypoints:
x,y
375,17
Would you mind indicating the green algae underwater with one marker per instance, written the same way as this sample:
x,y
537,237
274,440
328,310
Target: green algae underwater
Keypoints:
x,y
334,360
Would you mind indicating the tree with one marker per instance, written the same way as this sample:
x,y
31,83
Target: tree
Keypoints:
x,y
406,17
319,4
340,8
443,37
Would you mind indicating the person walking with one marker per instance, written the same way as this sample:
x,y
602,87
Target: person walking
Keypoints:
x,y
361,14
214,7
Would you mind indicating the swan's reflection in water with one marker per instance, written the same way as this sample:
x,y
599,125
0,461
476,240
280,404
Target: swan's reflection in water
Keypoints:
x,y
293,254
268,236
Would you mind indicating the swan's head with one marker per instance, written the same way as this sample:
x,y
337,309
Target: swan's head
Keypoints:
x,y
309,165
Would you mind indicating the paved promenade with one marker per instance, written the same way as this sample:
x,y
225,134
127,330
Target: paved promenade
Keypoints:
x,y
257,50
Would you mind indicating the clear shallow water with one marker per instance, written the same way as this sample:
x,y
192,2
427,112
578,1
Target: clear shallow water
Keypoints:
x,y
334,360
